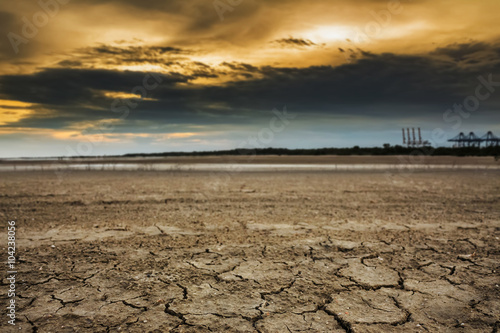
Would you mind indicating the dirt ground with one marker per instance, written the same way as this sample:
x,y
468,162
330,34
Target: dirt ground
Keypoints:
x,y
308,251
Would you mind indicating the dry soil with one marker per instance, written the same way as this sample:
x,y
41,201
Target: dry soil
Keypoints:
x,y
308,251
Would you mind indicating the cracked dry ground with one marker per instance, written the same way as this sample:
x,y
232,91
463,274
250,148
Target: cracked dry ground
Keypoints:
x,y
254,252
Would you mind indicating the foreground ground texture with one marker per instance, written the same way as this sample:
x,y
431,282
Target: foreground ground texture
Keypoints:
x,y
147,251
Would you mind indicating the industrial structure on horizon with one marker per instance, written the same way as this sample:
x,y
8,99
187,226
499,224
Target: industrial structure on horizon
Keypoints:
x,y
472,140
412,141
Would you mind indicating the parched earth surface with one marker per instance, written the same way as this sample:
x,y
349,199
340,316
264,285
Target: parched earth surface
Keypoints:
x,y
147,251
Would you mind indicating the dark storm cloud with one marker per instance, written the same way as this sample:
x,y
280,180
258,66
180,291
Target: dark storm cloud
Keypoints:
x,y
294,42
240,69
371,81
238,66
469,51
134,51
382,85
118,55
168,57
387,84
63,86
70,63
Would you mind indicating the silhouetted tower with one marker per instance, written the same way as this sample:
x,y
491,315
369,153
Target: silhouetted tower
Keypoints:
x,y
459,140
473,140
410,139
490,139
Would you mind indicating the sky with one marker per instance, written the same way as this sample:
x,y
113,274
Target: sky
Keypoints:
x,y
106,77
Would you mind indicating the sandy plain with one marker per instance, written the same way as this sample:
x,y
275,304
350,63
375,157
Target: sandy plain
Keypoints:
x,y
260,251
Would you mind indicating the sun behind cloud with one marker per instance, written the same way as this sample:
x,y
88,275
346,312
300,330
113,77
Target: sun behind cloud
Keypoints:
x,y
344,67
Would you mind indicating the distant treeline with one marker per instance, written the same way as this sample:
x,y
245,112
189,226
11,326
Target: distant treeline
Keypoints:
x,y
386,150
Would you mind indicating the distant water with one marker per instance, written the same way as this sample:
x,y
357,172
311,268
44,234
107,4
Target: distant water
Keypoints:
x,y
236,167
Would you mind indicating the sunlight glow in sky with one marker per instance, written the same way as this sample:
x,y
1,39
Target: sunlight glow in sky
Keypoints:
x,y
353,73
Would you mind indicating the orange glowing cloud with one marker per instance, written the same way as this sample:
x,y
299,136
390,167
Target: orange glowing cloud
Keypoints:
x,y
13,111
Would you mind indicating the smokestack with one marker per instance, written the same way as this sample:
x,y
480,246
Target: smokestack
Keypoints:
x,y
414,138
404,139
419,137
408,136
